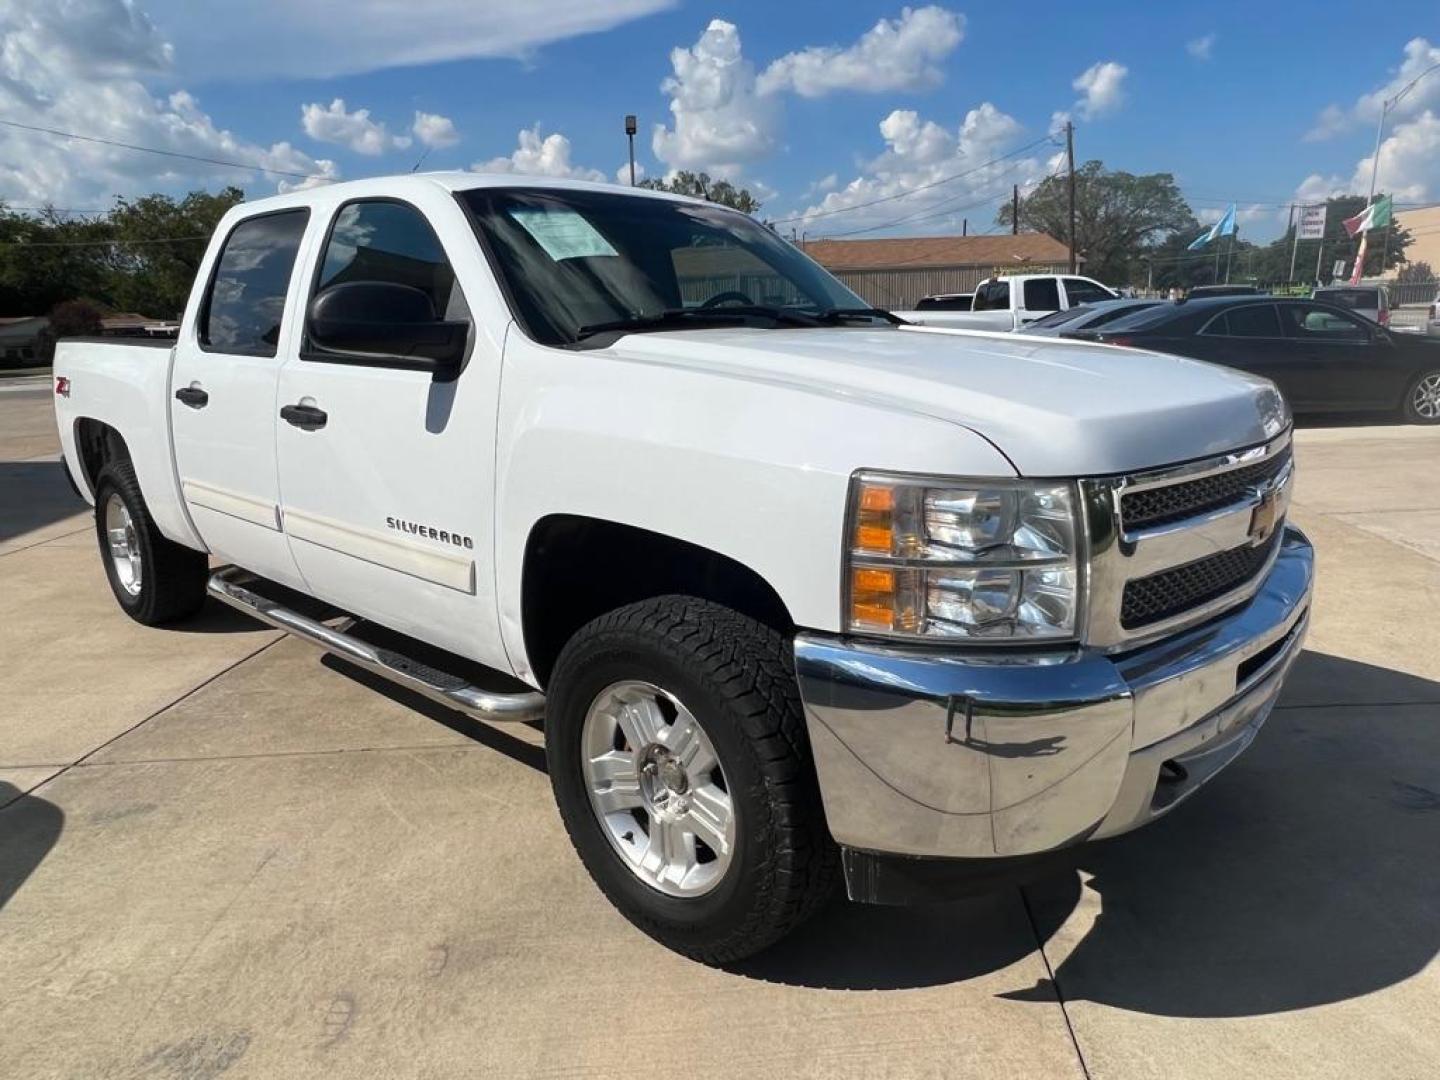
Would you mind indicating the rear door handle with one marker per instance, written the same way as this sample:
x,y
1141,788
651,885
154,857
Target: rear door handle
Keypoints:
x,y
192,396
305,417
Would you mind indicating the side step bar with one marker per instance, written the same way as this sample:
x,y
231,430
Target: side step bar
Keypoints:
x,y
226,586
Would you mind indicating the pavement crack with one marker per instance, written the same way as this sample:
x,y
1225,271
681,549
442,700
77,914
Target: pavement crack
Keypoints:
x,y
267,754
1054,982
42,543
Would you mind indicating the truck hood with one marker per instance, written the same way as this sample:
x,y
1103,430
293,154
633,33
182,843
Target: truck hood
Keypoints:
x,y
1053,407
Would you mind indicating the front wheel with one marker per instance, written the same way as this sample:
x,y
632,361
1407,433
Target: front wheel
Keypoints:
x,y
677,751
1422,399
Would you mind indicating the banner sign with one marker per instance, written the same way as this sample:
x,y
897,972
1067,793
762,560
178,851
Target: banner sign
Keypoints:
x,y
1311,223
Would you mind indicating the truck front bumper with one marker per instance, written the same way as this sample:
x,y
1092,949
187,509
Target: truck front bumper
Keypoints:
x,y
1006,756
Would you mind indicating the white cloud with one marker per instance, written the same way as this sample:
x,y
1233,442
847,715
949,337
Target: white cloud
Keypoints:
x,y
434,130
537,156
920,153
353,129
265,39
1101,89
622,174
1420,55
721,122
78,66
1202,47
894,54
1409,166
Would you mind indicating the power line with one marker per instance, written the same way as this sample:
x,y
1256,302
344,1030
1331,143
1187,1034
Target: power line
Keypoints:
x,y
99,243
164,153
915,190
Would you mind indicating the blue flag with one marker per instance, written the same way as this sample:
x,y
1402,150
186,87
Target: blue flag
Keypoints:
x,y
1224,227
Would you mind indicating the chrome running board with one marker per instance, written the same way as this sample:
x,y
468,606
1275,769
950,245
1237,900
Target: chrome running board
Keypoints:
x,y
227,586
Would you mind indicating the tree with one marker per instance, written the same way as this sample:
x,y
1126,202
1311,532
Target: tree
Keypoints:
x,y
70,318
155,278
1118,216
1414,274
700,186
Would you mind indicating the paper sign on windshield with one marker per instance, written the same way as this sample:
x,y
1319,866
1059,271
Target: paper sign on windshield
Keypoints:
x,y
563,234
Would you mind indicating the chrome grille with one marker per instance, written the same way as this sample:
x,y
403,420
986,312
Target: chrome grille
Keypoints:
x,y
1161,596
1190,498
1173,546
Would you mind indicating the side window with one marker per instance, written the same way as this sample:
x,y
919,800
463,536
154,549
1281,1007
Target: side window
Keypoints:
x,y
1042,294
246,299
1257,320
1313,323
993,296
1081,291
383,241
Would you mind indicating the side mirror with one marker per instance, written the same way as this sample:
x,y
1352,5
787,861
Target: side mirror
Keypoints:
x,y
389,322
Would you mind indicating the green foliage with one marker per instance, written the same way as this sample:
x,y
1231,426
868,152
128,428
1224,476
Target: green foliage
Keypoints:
x,y
1118,216
1414,273
140,256
700,186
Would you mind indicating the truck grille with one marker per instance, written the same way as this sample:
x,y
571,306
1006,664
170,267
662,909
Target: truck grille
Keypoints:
x,y
1172,592
1190,498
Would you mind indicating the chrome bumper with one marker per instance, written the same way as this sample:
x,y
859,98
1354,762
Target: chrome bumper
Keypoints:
x,y
961,755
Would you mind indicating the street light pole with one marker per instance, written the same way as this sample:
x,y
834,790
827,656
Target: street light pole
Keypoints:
x,y
630,129
1385,107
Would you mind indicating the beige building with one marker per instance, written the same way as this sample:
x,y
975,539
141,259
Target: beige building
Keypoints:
x,y
896,273
1424,228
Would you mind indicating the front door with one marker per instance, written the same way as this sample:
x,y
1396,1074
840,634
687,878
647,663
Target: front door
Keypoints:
x,y
386,469
1342,356
222,396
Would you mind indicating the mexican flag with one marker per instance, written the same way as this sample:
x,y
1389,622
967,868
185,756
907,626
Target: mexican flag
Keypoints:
x,y
1374,216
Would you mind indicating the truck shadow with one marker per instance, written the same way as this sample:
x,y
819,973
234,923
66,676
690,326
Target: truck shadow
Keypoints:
x,y
29,828
34,494
1305,874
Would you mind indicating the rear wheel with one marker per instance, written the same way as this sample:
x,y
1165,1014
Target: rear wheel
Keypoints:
x,y
1422,400
677,751
155,580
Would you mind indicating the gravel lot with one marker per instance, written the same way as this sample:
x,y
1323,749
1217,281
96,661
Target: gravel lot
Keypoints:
x,y
223,854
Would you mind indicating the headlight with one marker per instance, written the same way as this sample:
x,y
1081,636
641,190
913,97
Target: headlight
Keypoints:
x,y
943,559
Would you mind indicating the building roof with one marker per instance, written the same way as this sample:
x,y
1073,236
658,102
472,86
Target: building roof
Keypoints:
x,y
922,252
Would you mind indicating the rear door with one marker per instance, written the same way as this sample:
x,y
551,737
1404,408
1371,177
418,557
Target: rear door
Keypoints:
x,y
222,394
387,489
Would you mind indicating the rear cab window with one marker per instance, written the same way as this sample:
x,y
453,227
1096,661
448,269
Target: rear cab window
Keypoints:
x,y
244,305
1042,294
1353,299
992,296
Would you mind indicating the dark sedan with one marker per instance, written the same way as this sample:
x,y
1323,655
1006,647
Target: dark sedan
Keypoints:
x,y
1323,358
1085,317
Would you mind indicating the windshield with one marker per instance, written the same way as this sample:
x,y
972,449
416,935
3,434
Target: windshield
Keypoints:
x,y
575,260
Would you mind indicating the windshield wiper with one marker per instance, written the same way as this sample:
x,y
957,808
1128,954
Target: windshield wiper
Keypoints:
x,y
672,318
839,315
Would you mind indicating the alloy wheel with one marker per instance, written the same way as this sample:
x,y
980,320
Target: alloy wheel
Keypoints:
x,y
124,545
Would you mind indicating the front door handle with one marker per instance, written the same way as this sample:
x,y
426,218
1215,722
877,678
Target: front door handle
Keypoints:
x,y
192,396
305,417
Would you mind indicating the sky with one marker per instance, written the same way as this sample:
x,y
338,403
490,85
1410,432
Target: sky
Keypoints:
x,y
844,118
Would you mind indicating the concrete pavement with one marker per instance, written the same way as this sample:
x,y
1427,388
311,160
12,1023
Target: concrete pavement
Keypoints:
x,y
225,855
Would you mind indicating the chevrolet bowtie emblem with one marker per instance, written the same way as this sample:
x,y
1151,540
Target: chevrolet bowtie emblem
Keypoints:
x,y
1265,516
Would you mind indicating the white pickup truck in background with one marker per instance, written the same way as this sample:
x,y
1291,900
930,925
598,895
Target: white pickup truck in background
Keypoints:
x,y
1008,303
798,592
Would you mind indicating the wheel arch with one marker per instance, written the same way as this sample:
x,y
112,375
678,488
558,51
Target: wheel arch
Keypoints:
x,y
577,568
96,444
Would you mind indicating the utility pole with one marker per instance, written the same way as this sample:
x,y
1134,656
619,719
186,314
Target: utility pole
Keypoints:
x,y
1295,243
1070,157
964,226
630,129
1015,210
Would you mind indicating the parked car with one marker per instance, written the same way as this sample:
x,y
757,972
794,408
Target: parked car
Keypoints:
x,y
1323,358
1203,292
1085,317
762,570
959,301
1006,303
1371,301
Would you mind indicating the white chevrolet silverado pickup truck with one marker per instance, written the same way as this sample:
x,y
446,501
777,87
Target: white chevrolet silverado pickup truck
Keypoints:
x,y
799,593
1010,302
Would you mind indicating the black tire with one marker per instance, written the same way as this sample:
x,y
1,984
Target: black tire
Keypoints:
x,y
1410,407
737,677
172,578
